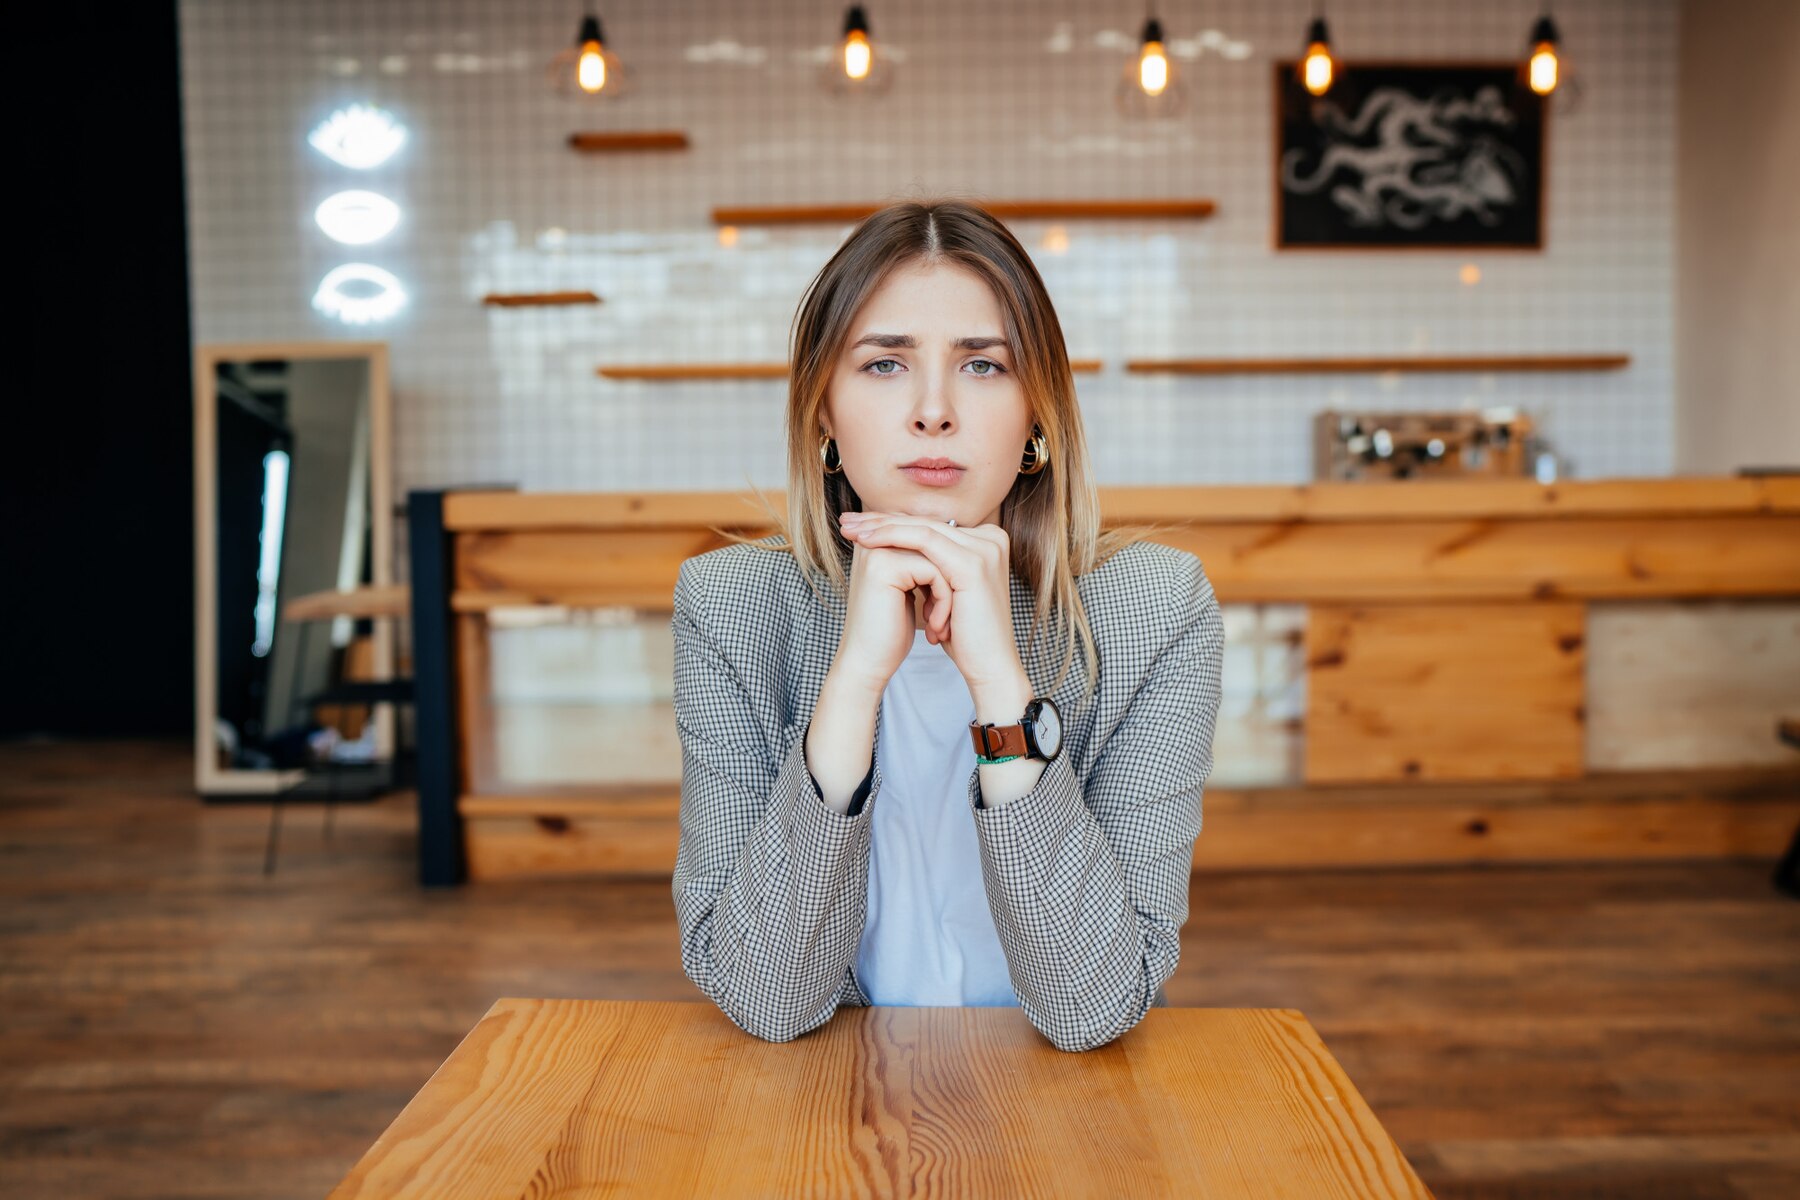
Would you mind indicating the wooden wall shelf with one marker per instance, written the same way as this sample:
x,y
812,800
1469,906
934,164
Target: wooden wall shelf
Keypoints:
x,y
1393,362
597,142
802,214
671,372
537,299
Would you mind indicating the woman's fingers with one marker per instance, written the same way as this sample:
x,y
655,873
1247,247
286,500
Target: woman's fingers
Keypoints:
x,y
958,553
922,582
936,595
937,608
934,607
952,551
947,556
937,622
972,536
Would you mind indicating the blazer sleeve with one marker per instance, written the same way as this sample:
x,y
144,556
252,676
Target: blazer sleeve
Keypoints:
x,y
770,882
1088,882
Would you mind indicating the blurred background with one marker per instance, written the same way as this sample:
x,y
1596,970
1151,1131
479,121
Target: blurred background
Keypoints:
x,y
385,361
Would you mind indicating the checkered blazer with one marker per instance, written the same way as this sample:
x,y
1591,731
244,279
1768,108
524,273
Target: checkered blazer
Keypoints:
x,y
1086,875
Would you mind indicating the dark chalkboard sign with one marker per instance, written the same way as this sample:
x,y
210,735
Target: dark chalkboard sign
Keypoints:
x,y
1410,155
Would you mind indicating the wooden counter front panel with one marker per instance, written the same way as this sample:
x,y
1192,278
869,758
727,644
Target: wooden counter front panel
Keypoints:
x,y
1619,816
1401,692
577,567
1447,645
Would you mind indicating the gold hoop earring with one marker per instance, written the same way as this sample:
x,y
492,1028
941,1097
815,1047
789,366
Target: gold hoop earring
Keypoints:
x,y
1040,455
826,446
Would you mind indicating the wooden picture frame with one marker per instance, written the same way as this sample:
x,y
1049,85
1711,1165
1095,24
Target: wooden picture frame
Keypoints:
x,y
1428,156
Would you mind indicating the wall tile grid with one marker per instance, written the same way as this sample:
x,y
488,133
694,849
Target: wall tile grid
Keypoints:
x,y
993,98
1001,99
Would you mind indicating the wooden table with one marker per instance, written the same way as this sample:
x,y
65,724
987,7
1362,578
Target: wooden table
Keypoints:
x,y
602,1097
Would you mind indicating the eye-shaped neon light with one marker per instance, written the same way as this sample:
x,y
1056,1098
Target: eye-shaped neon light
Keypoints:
x,y
357,218
360,137
358,294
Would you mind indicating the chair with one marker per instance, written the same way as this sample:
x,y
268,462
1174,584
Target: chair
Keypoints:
x,y
375,603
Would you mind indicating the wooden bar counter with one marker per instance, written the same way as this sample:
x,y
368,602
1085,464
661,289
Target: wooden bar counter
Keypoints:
x,y
1446,662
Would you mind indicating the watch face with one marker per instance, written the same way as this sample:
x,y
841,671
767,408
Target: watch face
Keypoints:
x,y
1046,727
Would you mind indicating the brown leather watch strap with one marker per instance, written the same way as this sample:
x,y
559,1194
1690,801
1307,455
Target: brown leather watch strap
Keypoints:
x,y
998,741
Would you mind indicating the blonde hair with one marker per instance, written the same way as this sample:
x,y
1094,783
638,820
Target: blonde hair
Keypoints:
x,y
1052,517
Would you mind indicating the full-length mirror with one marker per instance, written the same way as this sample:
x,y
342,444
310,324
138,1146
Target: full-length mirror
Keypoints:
x,y
292,499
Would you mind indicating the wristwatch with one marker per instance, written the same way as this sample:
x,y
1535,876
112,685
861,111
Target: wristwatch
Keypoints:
x,y
1037,735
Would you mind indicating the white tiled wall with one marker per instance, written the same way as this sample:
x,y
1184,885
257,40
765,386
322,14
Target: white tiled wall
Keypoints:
x,y
1002,98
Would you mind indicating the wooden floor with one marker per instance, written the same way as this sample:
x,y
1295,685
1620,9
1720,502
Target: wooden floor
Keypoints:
x,y
175,1024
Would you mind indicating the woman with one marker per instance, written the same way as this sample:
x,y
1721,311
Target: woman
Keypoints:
x,y
894,789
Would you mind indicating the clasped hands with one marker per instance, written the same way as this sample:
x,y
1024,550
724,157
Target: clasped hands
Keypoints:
x,y
967,574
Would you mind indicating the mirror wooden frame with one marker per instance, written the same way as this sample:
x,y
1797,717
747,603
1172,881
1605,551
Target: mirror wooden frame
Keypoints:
x,y
211,780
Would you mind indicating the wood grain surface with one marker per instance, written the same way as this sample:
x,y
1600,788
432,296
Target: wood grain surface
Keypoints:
x,y
1337,364
1445,691
180,1026
1193,504
631,829
584,1097
539,299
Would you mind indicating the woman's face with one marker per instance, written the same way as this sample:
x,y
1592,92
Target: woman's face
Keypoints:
x,y
927,374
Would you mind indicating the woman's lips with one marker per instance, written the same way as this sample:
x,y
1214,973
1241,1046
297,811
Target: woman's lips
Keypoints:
x,y
934,476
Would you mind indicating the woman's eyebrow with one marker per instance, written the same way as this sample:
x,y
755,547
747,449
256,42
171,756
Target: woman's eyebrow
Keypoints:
x,y
906,341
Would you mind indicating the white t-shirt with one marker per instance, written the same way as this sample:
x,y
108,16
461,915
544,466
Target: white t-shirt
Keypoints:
x,y
929,939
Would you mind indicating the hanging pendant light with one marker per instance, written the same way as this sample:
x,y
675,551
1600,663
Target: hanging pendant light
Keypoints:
x,y
858,54
1546,71
1542,69
1151,86
1318,68
856,67
1153,60
587,68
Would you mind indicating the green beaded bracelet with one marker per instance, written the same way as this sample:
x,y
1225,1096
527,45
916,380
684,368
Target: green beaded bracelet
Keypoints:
x,y
991,761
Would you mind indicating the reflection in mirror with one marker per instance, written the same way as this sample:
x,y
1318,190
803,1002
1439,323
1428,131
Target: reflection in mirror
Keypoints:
x,y
293,492
297,508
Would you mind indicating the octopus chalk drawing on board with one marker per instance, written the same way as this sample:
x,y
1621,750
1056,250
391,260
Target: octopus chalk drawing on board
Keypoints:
x,y
1407,155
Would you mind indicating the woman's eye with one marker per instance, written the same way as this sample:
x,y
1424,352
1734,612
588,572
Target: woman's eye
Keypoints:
x,y
994,368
